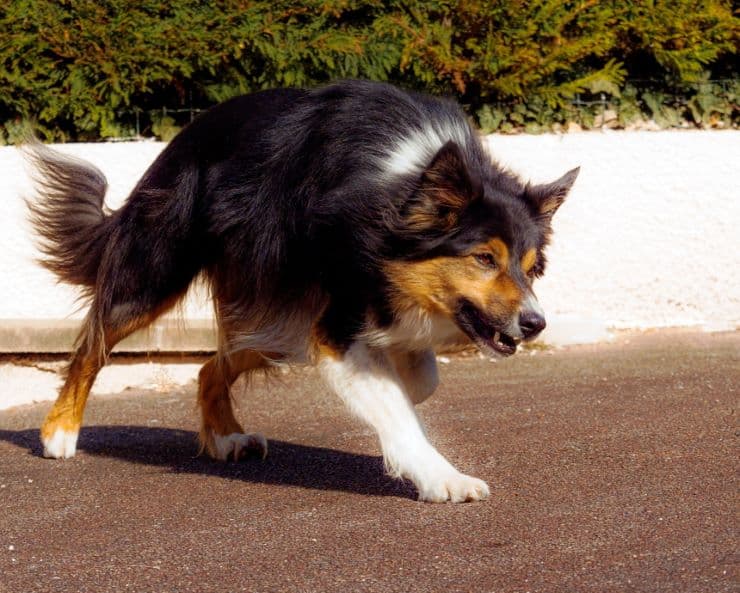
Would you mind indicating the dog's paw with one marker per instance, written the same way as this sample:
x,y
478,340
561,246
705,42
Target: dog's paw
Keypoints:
x,y
238,445
60,444
453,487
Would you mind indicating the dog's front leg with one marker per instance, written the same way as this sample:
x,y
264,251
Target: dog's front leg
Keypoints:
x,y
367,382
418,373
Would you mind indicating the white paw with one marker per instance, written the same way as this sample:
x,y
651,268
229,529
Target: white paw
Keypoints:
x,y
237,444
61,445
452,486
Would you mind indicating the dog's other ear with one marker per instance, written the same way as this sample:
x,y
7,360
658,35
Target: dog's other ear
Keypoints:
x,y
546,198
445,189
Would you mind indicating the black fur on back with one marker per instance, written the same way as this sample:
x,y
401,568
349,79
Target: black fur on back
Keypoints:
x,y
283,199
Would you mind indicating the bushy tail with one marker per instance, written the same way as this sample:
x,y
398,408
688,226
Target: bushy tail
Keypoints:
x,y
67,214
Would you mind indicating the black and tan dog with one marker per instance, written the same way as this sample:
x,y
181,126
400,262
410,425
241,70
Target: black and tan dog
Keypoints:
x,y
355,226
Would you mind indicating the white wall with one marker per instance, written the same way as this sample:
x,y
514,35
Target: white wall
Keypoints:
x,y
649,236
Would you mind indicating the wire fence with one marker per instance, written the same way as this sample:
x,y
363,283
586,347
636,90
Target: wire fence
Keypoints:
x,y
716,87
583,105
162,114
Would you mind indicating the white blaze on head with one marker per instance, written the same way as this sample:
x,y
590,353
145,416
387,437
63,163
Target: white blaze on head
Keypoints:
x,y
531,304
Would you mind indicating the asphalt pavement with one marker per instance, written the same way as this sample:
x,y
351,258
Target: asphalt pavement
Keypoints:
x,y
612,468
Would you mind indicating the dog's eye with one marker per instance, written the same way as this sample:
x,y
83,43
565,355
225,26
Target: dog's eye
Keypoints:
x,y
486,259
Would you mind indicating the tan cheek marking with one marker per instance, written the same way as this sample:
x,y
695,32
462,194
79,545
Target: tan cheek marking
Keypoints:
x,y
428,283
437,284
498,296
502,295
528,260
506,292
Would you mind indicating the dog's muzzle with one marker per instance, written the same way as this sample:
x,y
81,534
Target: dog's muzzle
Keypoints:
x,y
531,318
492,336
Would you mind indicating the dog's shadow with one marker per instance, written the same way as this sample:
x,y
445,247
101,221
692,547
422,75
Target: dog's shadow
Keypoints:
x,y
286,464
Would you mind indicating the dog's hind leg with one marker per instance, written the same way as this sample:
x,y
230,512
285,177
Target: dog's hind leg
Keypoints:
x,y
100,333
61,426
221,435
135,263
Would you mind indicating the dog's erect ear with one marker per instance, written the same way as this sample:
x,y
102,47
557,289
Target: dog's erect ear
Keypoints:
x,y
446,188
546,198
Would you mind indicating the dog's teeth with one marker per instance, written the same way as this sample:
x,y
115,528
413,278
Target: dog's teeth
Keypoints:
x,y
496,337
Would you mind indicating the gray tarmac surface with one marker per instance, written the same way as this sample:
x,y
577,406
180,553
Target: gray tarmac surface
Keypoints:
x,y
612,468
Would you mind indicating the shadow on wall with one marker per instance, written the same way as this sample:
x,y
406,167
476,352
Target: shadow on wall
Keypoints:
x,y
286,464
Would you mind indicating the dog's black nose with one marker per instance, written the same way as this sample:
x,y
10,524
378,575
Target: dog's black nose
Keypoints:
x,y
531,324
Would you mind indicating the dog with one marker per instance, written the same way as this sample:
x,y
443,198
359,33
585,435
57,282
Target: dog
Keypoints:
x,y
355,226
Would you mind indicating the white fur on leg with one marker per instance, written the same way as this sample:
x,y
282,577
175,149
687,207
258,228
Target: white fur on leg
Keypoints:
x,y
453,486
61,445
368,384
234,444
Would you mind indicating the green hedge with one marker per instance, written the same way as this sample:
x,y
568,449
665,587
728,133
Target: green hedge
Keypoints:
x,y
81,69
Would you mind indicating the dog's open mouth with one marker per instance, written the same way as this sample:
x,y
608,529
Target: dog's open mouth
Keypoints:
x,y
482,330
503,343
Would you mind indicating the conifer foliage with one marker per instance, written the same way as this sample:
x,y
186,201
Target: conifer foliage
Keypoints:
x,y
80,69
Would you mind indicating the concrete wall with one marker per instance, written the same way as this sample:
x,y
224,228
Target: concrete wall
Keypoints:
x,y
648,238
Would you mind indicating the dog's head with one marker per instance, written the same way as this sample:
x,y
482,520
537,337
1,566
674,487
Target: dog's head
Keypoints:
x,y
477,237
